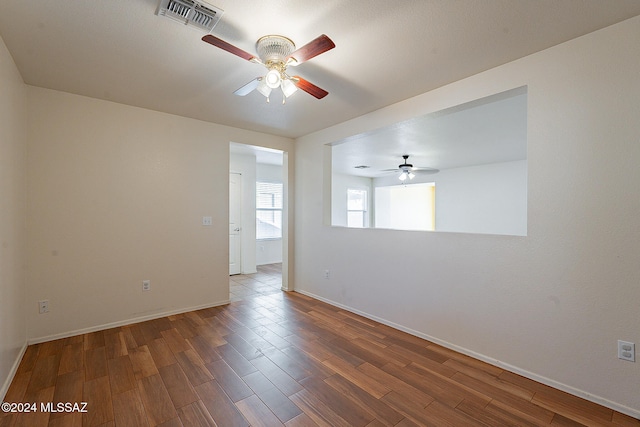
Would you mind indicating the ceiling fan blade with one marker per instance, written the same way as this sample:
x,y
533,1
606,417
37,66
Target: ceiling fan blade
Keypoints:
x,y
319,45
249,87
213,40
309,87
426,171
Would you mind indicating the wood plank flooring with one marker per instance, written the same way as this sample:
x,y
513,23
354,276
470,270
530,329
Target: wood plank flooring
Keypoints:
x,y
271,359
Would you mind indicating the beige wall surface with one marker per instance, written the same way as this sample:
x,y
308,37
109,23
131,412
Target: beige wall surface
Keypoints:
x,y
550,305
13,121
116,195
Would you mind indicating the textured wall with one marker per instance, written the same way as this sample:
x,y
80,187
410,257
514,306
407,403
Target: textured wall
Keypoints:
x,y
116,196
550,305
13,122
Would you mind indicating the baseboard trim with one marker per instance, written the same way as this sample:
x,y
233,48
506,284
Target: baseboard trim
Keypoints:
x,y
12,372
506,366
122,323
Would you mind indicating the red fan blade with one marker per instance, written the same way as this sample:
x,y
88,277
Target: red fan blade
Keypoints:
x,y
310,88
228,47
246,89
314,48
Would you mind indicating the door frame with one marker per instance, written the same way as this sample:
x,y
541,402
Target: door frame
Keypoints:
x,y
287,215
238,224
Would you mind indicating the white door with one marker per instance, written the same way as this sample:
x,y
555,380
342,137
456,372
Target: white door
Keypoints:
x,y
235,202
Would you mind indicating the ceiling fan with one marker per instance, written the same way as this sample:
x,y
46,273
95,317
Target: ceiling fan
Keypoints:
x,y
407,170
276,53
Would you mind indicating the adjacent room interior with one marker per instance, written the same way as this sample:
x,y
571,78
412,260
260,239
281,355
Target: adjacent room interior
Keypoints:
x,y
335,213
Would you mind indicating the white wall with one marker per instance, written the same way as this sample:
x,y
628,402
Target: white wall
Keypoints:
x,y
534,304
483,199
13,124
116,195
268,251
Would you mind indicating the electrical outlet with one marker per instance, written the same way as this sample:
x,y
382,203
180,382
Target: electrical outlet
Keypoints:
x,y
43,306
326,274
626,351
207,220
146,285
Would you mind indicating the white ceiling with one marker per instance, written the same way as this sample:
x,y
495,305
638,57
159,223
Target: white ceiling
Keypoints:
x,y
386,51
488,130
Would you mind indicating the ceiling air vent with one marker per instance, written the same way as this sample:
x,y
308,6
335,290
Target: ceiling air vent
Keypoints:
x,y
190,12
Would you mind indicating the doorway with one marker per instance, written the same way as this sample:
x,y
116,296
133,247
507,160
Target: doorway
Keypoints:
x,y
259,167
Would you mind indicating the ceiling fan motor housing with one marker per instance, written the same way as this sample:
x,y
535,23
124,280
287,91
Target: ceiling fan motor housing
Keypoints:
x,y
405,167
274,49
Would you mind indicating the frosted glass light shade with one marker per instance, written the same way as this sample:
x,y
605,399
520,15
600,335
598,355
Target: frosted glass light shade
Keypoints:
x,y
288,88
263,88
273,79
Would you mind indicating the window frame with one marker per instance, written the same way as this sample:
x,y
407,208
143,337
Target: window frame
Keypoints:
x,y
273,209
364,212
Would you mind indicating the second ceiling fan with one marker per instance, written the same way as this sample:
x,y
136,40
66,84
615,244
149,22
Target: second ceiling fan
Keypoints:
x,y
276,53
407,170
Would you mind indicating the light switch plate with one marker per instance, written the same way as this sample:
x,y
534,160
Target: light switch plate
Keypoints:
x,y
626,351
43,306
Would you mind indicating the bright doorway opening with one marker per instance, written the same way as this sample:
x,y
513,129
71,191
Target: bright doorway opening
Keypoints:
x,y
263,203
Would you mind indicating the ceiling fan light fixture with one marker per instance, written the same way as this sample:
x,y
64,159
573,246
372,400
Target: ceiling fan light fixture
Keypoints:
x,y
263,88
276,53
288,87
406,173
407,170
273,79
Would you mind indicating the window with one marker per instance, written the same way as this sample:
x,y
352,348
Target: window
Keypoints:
x,y
268,210
406,207
356,208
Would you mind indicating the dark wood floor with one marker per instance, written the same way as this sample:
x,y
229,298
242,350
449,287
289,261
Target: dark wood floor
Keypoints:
x,y
271,358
